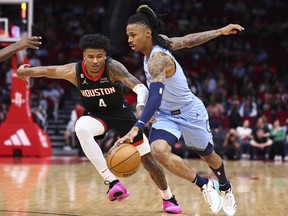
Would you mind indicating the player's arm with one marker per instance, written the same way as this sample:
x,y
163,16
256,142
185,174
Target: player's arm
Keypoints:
x,y
66,72
195,39
159,66
23,43
119,73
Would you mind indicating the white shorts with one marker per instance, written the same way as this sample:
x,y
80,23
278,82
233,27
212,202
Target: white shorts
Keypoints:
x,y
144,147
97,128
192,123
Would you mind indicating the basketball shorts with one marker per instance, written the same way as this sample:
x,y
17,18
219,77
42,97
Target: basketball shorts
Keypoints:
x,y
121,121
191,122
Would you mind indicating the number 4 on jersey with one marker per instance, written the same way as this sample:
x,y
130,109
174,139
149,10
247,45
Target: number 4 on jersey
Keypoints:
x,y
102,103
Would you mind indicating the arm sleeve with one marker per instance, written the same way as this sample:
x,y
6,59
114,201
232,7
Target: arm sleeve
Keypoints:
x,y
154,101
142,94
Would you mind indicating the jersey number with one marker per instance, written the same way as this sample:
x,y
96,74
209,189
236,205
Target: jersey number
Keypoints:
x,y
102,103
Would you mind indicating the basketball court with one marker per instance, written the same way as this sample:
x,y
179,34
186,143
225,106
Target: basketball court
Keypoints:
x,y
71,186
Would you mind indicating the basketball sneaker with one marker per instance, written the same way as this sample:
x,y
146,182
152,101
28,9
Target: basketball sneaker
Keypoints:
x,y
229,203
171,206
116,191
211,195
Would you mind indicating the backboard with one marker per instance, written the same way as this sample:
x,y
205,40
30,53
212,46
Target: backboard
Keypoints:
x,y
16,17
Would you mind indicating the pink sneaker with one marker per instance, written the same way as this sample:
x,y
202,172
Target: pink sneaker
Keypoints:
x,y
117,191
171,206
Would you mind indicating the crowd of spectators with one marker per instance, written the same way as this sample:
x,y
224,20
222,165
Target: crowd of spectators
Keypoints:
x,y
241,77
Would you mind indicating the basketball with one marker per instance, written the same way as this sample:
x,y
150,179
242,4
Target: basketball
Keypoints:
x,y
123,160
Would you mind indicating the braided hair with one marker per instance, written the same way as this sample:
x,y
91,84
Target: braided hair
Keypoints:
x,y
146,16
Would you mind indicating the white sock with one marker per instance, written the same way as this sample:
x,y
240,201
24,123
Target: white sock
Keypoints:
x,y
166,194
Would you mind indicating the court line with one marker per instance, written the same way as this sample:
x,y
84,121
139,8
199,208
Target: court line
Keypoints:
x,y
41,213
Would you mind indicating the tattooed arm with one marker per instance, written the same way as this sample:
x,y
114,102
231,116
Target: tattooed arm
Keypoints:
x,y
195,39
119,73
161,66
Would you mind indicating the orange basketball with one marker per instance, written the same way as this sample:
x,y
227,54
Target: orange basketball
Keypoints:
x,y
123,160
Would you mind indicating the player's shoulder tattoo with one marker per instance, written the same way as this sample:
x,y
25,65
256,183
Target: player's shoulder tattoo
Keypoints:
x,y
119,73
116,70
158,65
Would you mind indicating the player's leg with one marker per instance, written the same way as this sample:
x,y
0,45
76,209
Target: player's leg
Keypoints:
x,y
197,134
86,128
216,164
165,132
162,152
157,174
123,123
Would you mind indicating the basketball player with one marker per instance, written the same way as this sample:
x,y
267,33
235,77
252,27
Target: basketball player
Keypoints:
x,y
23,43
99,79
177,110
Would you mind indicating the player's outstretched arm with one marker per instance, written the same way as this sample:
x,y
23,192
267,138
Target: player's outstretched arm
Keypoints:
x,y
66,72
195,39
23,43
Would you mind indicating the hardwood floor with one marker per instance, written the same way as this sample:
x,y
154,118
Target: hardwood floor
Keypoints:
x,y
70,186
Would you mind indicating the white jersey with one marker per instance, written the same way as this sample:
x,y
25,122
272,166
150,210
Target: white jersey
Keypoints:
x,y
176,93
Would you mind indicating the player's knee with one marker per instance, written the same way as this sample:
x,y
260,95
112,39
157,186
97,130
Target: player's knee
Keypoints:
x,y
160,151
81,128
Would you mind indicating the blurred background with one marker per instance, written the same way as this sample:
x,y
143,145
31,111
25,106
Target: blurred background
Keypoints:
x,y
240,78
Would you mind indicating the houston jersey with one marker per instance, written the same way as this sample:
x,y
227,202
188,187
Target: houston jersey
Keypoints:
x,y
176,93
99,95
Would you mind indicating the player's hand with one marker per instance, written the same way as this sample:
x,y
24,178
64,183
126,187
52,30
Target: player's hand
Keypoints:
x,y
153,119
29,42
129,137
21,73
231,29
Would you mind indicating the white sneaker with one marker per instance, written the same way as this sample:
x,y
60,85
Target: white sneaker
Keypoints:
x,y
286,158
211,195
229,203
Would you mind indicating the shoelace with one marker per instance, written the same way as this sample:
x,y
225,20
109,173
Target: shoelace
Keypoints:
x,y
229,198
107,183
208,197
173,200
111,184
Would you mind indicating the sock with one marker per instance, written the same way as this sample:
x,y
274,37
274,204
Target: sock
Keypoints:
x,y
199,181
224,187
166,194
224,184
107,175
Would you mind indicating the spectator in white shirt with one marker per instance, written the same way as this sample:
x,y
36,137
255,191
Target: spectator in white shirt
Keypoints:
x,y
245,134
